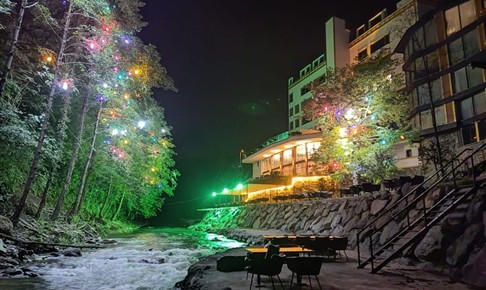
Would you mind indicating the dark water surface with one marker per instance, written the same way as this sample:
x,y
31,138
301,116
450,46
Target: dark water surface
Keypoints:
x,y
146,259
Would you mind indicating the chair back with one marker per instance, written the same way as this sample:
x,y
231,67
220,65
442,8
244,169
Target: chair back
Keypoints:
x,y
305,265
320,245
266,267
272,250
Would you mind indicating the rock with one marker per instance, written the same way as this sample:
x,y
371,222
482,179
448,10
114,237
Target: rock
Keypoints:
x,y
336,220
256,224
474,272
338,231
429,248
377,206
484,223
3,251
108,241
383,220
13,271
72,252
390,230
6,225
474,211
459,250
9,261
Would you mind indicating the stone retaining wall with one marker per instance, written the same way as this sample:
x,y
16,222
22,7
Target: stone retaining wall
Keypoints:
x,y
457,242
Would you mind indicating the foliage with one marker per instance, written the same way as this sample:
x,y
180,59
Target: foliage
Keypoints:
x,y
361,112
428,152
133,167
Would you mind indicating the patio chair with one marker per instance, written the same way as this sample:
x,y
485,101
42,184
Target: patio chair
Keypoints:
x,y
267,267
320,245
304,266
338,244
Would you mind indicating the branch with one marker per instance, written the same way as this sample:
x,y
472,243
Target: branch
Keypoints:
x,y
28,6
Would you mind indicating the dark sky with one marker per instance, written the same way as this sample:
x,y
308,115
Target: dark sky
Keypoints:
x,y
227,57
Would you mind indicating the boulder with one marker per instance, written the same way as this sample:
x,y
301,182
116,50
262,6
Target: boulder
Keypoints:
x,y
474,272
474,212
458,251
429,248
6,225
390,230
338,231
351,224
3,251
72,252
256,224
336,220
377,205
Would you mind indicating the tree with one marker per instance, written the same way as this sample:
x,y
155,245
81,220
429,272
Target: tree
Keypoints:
x,y
362,114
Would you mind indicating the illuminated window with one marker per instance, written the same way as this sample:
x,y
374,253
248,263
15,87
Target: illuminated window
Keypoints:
x,y
312,148
287,157
265,165
460,16
453,23
468,12
300,152
275,161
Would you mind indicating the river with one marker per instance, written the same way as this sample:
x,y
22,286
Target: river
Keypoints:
x,y
147,259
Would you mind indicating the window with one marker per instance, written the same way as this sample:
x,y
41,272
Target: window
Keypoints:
x,y
291,97
453,23
469,134
479,103
426,119
408,153
297,123
467,109
474,76
430,33
291,126
468,12
471,43
460,80
377,18
433,62
304,90
467,77
275,161
363,54
456,51
291,112
423,94
380,43
300,152
473,106
436,86
360,30
287,157
312,148
266,165
482,130
440,116
297,109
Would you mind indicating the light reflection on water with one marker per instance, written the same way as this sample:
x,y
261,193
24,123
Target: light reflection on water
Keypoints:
x,y
134,263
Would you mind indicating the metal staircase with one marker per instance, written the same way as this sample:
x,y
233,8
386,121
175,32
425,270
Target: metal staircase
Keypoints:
x,y
418,211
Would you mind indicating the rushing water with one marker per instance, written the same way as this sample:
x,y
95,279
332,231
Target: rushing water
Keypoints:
x,y
147,259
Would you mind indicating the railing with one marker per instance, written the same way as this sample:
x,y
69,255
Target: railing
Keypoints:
x,y
441,175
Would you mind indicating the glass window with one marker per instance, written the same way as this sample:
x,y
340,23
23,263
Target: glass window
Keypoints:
x,y
440,116
460,80
265,165
312,148
468,13
291,97
287,157
291,126
452,20
414,99
467,109
474,76
291,112
436,86
379,44
300,152
426,119
430,33
297,123
419,40
471,43
420,71
362,54
456,51
423,94
275,161
480,103
482,130
296,108
469,134
433,62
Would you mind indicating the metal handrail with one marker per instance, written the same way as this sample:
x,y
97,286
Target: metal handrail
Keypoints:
x,y
417,199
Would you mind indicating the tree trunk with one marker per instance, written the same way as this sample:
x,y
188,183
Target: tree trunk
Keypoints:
x,y
8,63
74,156
45,123
81,190
105,202
45,193
119,206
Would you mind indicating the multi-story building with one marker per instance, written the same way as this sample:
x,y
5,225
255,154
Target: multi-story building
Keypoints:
x,y
444,59
291,156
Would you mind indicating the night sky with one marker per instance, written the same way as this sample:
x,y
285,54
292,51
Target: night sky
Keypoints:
x,y
231,61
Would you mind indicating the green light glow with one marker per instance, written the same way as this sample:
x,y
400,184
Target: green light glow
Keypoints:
x,y
225,190
214,194
239,186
